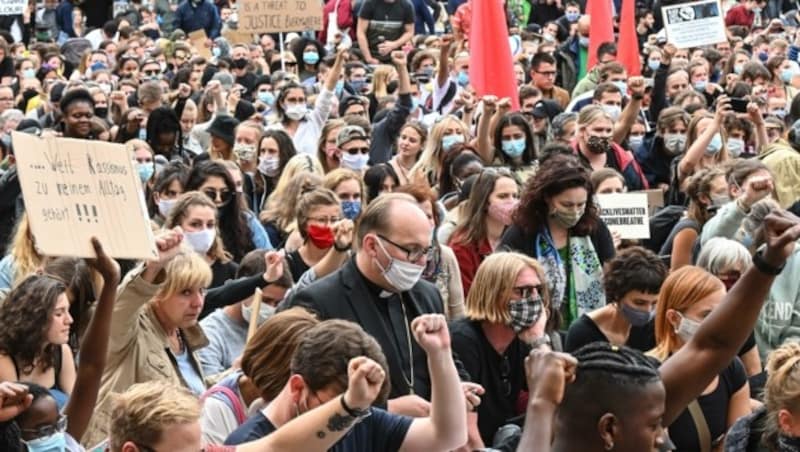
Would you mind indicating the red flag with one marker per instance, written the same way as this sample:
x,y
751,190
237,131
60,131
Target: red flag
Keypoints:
x,y
628,51
601,30
491,70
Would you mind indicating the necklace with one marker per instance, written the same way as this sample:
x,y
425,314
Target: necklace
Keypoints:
x,y
409,381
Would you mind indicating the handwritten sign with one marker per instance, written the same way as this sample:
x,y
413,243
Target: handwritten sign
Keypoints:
x,y
694,24
76,189
12,7
626,213
198,39
272,16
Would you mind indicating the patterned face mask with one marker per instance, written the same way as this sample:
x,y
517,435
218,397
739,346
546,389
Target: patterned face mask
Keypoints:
x,y
524,312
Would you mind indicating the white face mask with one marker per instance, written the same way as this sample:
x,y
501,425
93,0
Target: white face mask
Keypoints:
x,y
201,241
265,311
612,110
687,328
268,166
165,205
295,111
399,274
735,146
355,162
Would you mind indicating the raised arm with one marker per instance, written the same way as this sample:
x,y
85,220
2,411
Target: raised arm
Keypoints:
x,y
686,373
444,61
446,428
483,140
754,114
94,346
628,117
694,154
319,429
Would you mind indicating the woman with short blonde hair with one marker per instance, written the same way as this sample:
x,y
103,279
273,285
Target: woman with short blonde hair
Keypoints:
x,y
507,310
22,258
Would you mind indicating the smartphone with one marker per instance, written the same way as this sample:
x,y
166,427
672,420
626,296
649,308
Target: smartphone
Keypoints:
x,y
739,105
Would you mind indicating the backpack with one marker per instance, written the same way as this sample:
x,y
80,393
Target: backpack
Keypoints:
x,y
452,89
661,224
231,400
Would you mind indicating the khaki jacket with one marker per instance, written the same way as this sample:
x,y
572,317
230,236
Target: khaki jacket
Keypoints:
x,y
138,350
784,162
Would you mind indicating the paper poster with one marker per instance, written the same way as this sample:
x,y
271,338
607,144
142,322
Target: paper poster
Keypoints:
x,y
626,213
694,24
77,189
198,39
12,7
272,16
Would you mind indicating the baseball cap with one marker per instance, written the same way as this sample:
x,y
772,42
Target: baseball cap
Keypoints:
x,y
350,133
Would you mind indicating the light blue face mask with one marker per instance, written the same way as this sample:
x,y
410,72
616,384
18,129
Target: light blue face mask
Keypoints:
x,y
653,64
513,148
29,73
462,78
448,141
583,41
339,87
738,69
634,141
787,75
267,97
143,134
623,86
715,145
310,57
700,85
216,52
351,209
145,171
56,442
573,17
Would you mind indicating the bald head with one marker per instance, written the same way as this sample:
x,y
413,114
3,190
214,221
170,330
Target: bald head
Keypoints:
x,y
390,213
583,25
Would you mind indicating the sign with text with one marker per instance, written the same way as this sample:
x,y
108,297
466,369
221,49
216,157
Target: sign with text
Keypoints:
x,y
694,24
12,7
77,189
199,39
626,213
272,16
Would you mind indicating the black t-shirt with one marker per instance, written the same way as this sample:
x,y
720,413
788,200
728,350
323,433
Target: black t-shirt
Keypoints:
x,y
488,368
296,264
715,409
381,431
6,67
584,331
386,20
221,272
248,80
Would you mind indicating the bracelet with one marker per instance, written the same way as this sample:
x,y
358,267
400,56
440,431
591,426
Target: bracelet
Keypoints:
x,y
352,411
341,249
637,96
762,265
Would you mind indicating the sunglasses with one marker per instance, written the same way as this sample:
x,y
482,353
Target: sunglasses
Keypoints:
x,y
354,151
224,195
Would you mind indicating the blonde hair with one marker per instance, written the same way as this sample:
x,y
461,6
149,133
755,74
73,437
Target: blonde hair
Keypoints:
x,y
23,250
329,126
179,212
300,163
692,134
133,144
431,157
320,197
146,410
491,289
782,389
339,175
186,270
281,206
591,114
681,290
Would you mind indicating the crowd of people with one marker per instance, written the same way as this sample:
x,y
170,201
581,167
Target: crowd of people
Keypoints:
x,y
358,251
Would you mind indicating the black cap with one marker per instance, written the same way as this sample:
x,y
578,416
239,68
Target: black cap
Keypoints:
x,y
345,103
244,110
546,108
30,126
223,127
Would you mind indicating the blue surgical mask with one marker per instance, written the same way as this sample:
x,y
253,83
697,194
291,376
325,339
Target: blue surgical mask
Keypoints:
x,y
787,75
623,86
339,87
700,85
573,17
513,148
358,84
145,171
143,134
780,113
267,97
414,103
763,56
462,78
29,73
738,69
216,52
634,141
448,141
653,64
351,209
583,41
56,442
735,146
97,66
310,57
715,145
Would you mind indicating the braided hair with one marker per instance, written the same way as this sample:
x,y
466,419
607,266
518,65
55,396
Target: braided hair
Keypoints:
x,y
608,379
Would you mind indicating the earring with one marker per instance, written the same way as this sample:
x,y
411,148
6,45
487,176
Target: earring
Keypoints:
x,y
610,445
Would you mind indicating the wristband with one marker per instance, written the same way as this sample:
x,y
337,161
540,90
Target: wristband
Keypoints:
x,y
637,96
356,413
341,249
763,266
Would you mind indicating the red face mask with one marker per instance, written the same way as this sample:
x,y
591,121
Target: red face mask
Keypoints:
x,y
320,236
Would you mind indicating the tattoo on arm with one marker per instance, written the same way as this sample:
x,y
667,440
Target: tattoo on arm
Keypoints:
x,y
339,422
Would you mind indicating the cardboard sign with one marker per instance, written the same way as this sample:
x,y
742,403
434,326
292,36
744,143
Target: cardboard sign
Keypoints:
x,y
272,16
626,213
655,199
12,7
77,189
256,310
198,39
237,37
694,24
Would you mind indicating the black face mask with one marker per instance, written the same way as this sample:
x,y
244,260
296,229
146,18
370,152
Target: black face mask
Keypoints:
x,y
598,145
788,443
240,63
391,87
101,111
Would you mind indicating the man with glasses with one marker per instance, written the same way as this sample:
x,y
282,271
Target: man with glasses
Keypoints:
x,y
543,77
380,289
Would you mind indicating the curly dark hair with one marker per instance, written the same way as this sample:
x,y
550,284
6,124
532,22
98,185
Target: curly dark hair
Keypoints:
x,y
555,175
26,315
634,268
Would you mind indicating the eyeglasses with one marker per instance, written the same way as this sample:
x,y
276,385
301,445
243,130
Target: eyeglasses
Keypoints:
x,y
412,255
223,195
47,430
153,72
525,292
6,99
323,220
547,73
354,151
